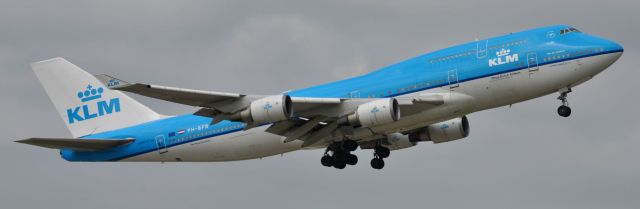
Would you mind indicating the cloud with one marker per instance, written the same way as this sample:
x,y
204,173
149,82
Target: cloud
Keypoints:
x,y
289,50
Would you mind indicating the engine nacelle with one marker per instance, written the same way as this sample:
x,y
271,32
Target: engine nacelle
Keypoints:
x,y
374,113
446,131
399,141
266,110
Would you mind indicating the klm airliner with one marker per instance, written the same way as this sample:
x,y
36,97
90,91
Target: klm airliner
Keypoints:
x,y
425,98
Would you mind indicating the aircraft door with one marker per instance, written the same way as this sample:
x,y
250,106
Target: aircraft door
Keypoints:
x,y
161,144
532,63
354,94
481,49
453,78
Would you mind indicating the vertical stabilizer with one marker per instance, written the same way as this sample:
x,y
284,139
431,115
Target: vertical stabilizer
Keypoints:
x,y
84,103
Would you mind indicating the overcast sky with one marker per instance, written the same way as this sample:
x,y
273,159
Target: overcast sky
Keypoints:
x,y
520,157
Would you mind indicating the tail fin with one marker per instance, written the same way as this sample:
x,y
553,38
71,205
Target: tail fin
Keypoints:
x,y
84,103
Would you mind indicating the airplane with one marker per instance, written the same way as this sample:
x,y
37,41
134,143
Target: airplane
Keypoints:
x,y
426,98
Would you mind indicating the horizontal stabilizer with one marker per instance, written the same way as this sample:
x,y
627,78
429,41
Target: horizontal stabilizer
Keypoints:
x,y
76,144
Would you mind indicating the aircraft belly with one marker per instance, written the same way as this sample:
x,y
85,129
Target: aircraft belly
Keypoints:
x,y
552,77
242,145
591,66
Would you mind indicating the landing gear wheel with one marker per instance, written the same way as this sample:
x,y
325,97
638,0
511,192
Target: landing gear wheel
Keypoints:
x,y
377,163
351,159
382,152
339,164
340,156
349,145
327,161
564,111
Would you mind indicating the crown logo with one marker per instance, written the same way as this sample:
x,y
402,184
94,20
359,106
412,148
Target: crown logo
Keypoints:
x,y
267,106
503,52
90,93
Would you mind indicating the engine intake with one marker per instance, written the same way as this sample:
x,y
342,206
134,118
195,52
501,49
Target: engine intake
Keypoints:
x,y
374,113
445,131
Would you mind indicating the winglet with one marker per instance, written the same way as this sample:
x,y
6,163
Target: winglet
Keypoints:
x,y
112,82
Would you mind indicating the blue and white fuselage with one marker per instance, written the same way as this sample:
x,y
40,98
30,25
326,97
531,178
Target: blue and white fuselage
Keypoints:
x,y
487,73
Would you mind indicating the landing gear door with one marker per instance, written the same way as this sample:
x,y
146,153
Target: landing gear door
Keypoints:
x,y
532,63
161,144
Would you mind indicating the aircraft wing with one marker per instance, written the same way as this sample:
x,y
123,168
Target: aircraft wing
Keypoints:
x,y
213,102
76,144
312,119
329,121
184,96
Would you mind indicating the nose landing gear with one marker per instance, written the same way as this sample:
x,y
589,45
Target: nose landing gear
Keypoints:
x,y
564,110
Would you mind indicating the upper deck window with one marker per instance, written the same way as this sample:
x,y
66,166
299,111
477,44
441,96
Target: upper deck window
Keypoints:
x,y
452,57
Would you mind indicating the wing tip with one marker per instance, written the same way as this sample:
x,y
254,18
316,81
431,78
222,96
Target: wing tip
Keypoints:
x,y
111,82
24,141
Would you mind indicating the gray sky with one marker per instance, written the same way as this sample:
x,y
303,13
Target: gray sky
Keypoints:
x,y
520,157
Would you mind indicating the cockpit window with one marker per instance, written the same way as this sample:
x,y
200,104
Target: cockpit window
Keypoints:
x,y
569,30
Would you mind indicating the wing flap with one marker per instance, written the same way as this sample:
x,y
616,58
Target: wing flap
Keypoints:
x,y
304,129
76,144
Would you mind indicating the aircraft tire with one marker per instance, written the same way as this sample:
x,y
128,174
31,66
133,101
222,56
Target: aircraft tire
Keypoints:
x,y
382,152
339,164
351,159
327,161
564,111
349,145
377,163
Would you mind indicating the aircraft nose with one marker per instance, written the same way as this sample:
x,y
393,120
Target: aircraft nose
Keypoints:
x,y
608,45
609,52
614,46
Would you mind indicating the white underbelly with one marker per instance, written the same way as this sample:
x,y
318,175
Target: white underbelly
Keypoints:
x,y
241,145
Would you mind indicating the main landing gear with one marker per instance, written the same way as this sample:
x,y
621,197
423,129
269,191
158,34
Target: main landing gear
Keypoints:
x,y
379,153
340,155
564,110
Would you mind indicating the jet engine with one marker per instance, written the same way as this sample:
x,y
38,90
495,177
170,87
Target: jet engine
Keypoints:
x,y
398,141
445,131
266,110
374,113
